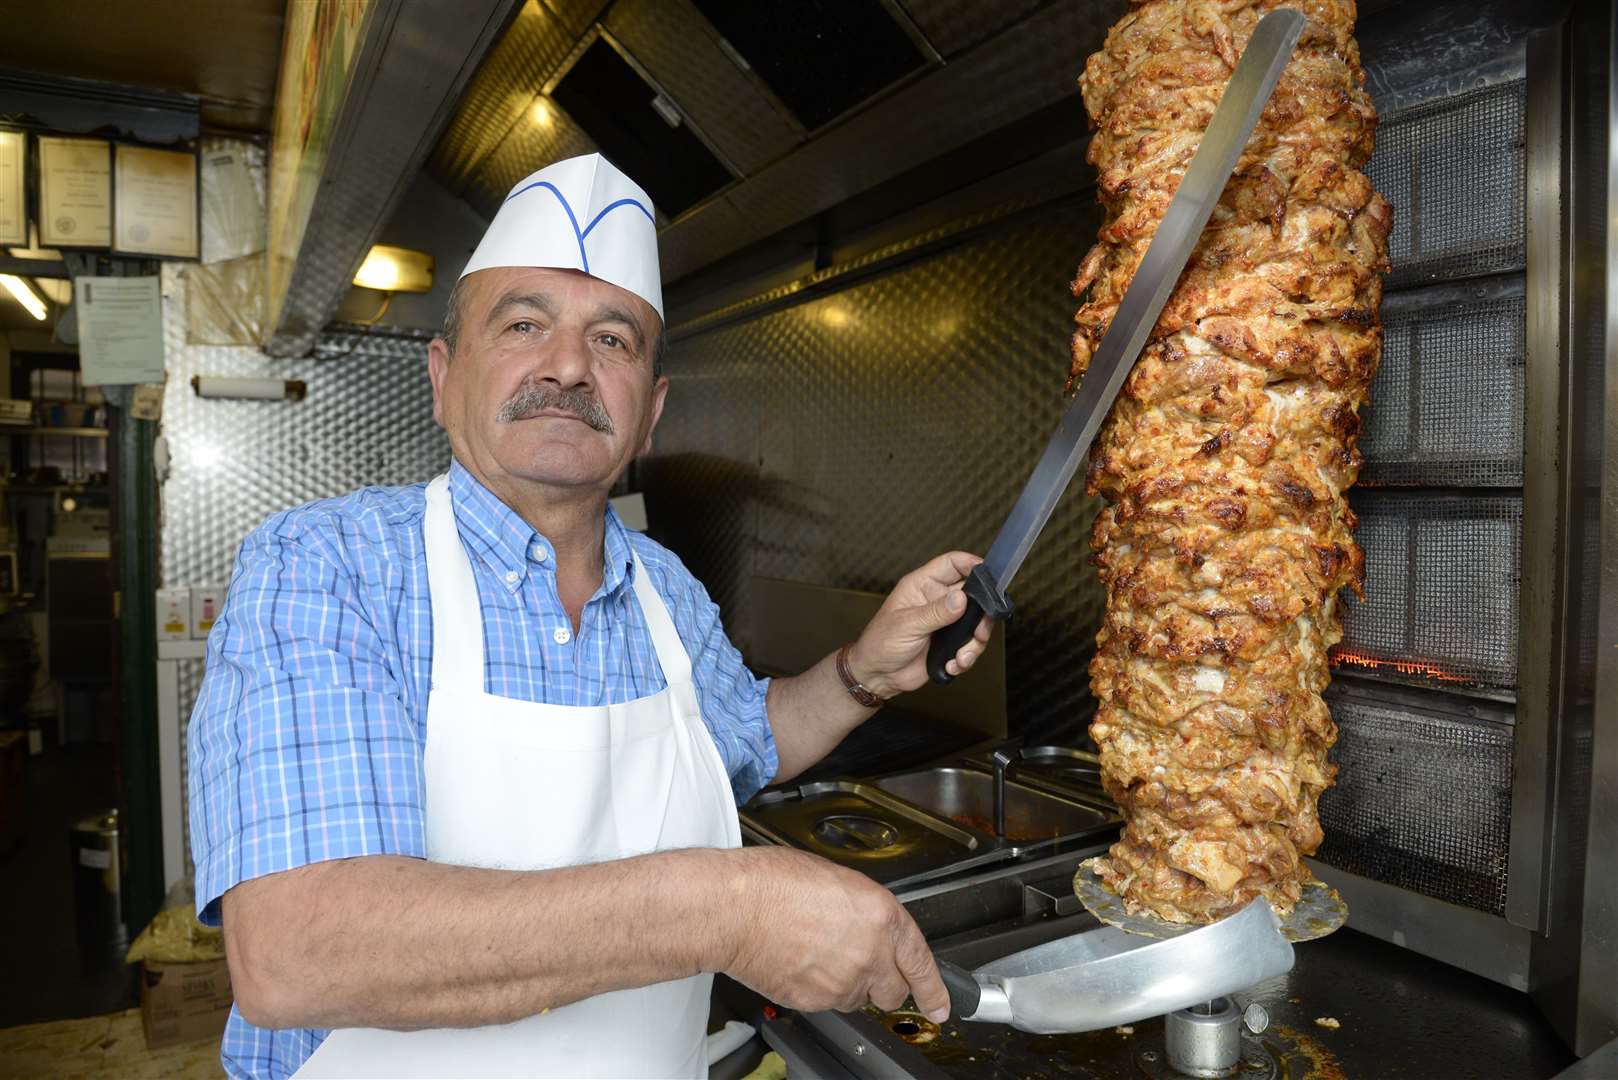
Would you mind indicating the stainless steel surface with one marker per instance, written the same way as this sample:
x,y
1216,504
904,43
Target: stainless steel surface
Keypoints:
x,y
409,67
1256,1018
1482,944
860,826
1000,762
743,481
367,420
1318,912
966,796
1399,1014
1204,1040
1105,976
1244,97
1543,633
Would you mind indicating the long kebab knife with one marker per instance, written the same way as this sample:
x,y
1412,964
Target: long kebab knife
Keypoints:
x,y
1249,89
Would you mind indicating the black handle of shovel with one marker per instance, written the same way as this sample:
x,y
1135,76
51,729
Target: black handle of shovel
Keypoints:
x,y
964,991
983,597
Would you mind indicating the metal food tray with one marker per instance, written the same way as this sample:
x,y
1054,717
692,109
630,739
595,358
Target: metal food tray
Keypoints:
x,y
858,826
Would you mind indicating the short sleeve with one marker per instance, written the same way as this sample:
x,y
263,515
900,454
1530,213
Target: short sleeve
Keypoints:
x,y
732,698
301,747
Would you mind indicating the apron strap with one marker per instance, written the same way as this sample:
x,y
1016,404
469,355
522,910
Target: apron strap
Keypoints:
x,y
671,654
457,616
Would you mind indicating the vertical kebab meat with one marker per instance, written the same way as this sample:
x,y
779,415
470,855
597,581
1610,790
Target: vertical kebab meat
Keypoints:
x,y
1226,535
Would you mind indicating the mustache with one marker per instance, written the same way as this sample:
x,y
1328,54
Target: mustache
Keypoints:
x,y
531,399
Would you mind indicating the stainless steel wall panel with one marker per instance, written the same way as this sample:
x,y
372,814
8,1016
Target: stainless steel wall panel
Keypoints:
x,y
527,147
896,418
501,93
367,420
680,50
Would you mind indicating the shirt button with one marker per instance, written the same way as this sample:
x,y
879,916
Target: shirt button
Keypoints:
x,y
562,635
540,554
511,577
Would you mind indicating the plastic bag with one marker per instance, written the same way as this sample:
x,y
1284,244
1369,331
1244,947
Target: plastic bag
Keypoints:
x,y
174,936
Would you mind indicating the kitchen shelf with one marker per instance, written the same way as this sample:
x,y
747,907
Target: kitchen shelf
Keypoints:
x,y
66,432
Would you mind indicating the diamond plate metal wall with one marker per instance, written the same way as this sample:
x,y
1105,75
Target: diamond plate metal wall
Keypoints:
x,y
844,440
367,420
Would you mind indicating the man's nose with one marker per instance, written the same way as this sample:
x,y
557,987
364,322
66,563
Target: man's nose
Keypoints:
x,y
567,360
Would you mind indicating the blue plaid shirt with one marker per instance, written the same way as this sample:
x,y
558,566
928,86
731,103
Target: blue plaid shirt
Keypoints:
x,y
307,737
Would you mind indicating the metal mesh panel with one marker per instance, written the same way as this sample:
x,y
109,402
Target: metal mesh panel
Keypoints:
x,y
1441,589
1447,405
1383,821
1453,171
895,419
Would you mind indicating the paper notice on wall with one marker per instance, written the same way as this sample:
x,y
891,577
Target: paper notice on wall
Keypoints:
x,y
232,200
120,329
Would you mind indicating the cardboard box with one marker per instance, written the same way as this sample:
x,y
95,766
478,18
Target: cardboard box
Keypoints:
x,y
181,1003
206,600
173,614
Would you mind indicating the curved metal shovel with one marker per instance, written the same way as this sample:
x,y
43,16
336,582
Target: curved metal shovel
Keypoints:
x,y
1106,977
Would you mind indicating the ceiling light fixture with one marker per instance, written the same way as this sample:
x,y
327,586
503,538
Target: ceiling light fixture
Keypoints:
x,y
540,114
395,269
24,295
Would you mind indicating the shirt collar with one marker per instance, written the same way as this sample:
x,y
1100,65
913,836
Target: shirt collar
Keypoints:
x,y
508,544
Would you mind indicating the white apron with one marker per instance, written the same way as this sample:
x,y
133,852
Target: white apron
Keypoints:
x,y
521,786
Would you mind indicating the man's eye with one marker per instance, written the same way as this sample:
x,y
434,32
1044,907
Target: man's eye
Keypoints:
x,y
612,341
524,326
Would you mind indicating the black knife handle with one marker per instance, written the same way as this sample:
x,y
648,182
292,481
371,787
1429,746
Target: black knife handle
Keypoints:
x,y
964,991
983,597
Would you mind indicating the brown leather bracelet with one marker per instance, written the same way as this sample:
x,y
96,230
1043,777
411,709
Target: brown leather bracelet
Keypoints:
x,y
855,690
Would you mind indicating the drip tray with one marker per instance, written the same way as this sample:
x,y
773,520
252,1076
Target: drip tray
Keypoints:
x,y
863,828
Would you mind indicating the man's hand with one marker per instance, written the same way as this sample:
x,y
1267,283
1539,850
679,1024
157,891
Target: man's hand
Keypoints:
x,y
814,936
890,656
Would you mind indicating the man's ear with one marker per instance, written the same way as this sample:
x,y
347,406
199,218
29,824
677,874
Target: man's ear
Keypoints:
x,y
660,391
437,370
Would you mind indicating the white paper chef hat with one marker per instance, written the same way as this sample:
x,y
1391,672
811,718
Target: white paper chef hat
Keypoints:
x,y
579,214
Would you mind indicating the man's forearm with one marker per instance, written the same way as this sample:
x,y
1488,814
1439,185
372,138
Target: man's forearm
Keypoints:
x,y
393,942
809,715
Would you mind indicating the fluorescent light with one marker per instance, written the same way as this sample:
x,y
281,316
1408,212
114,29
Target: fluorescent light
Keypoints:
x,y
396,269
540,114
25,296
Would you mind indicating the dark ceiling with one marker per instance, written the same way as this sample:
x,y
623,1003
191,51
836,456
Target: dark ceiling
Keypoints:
x,y
787,148
226,52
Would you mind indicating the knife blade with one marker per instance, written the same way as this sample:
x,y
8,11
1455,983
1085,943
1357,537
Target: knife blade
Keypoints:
x,y
1245,96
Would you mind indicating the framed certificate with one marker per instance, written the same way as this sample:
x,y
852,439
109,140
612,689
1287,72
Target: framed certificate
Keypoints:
x,y
13,189
75,192
154,203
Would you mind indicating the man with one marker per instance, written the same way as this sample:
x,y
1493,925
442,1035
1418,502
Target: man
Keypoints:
x,y
465,765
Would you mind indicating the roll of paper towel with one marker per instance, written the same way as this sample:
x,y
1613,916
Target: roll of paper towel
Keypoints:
x,y
727,1040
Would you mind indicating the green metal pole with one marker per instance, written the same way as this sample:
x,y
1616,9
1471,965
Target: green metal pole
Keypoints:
x,y
135,488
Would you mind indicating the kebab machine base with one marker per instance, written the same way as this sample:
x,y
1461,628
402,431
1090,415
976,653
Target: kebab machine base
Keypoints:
x,y
1351,1006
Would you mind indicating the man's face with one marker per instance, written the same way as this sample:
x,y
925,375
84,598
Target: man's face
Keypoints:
x,y
551,381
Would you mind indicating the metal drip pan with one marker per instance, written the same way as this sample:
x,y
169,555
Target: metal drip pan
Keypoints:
x,y
866,829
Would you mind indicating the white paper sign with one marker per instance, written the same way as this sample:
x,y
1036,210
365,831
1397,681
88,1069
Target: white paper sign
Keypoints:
x,y
120,329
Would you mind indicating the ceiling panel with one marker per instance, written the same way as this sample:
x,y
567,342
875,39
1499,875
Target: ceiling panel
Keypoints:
x,y
680,51
225,53
955,25
1030,66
